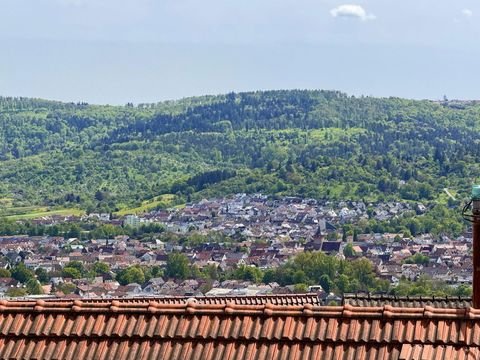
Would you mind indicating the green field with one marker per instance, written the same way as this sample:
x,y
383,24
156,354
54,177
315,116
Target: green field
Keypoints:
x,y
5,202
38,212
163,201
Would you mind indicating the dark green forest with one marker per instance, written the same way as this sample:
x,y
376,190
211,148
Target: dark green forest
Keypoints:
x,y
320,144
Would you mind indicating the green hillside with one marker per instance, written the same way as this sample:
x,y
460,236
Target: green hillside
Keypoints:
x,y
320,144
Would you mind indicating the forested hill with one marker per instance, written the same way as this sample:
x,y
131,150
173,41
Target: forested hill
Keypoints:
x,y
320,144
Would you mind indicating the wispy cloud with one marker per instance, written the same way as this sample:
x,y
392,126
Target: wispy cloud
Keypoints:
x,y
351,11
467,12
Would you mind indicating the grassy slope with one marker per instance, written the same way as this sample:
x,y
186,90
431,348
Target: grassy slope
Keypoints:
x,y
164,201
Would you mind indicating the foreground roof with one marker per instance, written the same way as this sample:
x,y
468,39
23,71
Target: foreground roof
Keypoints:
x,y
190,330
407,301
276,299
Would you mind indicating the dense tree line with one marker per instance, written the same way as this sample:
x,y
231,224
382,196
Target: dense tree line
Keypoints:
x,y
81,230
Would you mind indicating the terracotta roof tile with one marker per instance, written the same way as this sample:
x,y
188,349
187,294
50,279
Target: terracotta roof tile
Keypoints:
x,y
225,350
149,329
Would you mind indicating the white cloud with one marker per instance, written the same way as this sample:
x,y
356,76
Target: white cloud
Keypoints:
x,y
351,11
467,12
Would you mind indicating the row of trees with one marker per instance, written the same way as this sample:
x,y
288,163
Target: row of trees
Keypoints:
x,y
80,230
306,269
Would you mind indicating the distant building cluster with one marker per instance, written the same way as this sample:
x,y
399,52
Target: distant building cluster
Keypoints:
x,y
269,232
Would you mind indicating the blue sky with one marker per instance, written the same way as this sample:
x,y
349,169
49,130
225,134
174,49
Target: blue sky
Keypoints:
x,y
116,51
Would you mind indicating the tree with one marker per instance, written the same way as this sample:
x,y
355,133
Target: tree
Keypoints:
x,y
74,231
210,272
76,265
248,273
99,195
100,268
362,270
342,283
33,287
66,288
152,272
269,276
130,275
70,272
299,277
42,275
301,288
326,283
177,266
355,235
463,290
414,227
348,251
16,292
21,273
419,259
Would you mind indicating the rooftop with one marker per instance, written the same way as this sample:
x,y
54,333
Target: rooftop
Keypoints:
x,y
363,300
275,299
152,329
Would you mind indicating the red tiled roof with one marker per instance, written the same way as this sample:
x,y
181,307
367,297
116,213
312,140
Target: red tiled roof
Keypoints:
x,y
154,330
277,299
367,300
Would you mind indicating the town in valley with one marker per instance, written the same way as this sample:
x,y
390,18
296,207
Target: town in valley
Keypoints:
x,y
221,236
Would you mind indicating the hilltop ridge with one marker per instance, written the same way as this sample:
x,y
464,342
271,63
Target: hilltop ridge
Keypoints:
x,y
321,144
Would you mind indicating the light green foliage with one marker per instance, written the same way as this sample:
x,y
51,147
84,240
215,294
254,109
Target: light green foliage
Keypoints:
x,y
74,270
418,259
425,286
22,274
178,266
130,275
348,251
210,272
16,292
33,287
71,273
339,276
301,288
5,273
248,273
66,288
316,268
100,268
152,272
106,231
462,290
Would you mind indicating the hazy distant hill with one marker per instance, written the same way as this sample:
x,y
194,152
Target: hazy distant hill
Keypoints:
x,y
320,144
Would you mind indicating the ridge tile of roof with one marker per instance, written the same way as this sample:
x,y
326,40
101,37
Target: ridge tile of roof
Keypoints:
x,y
277,299
191,306
366,300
